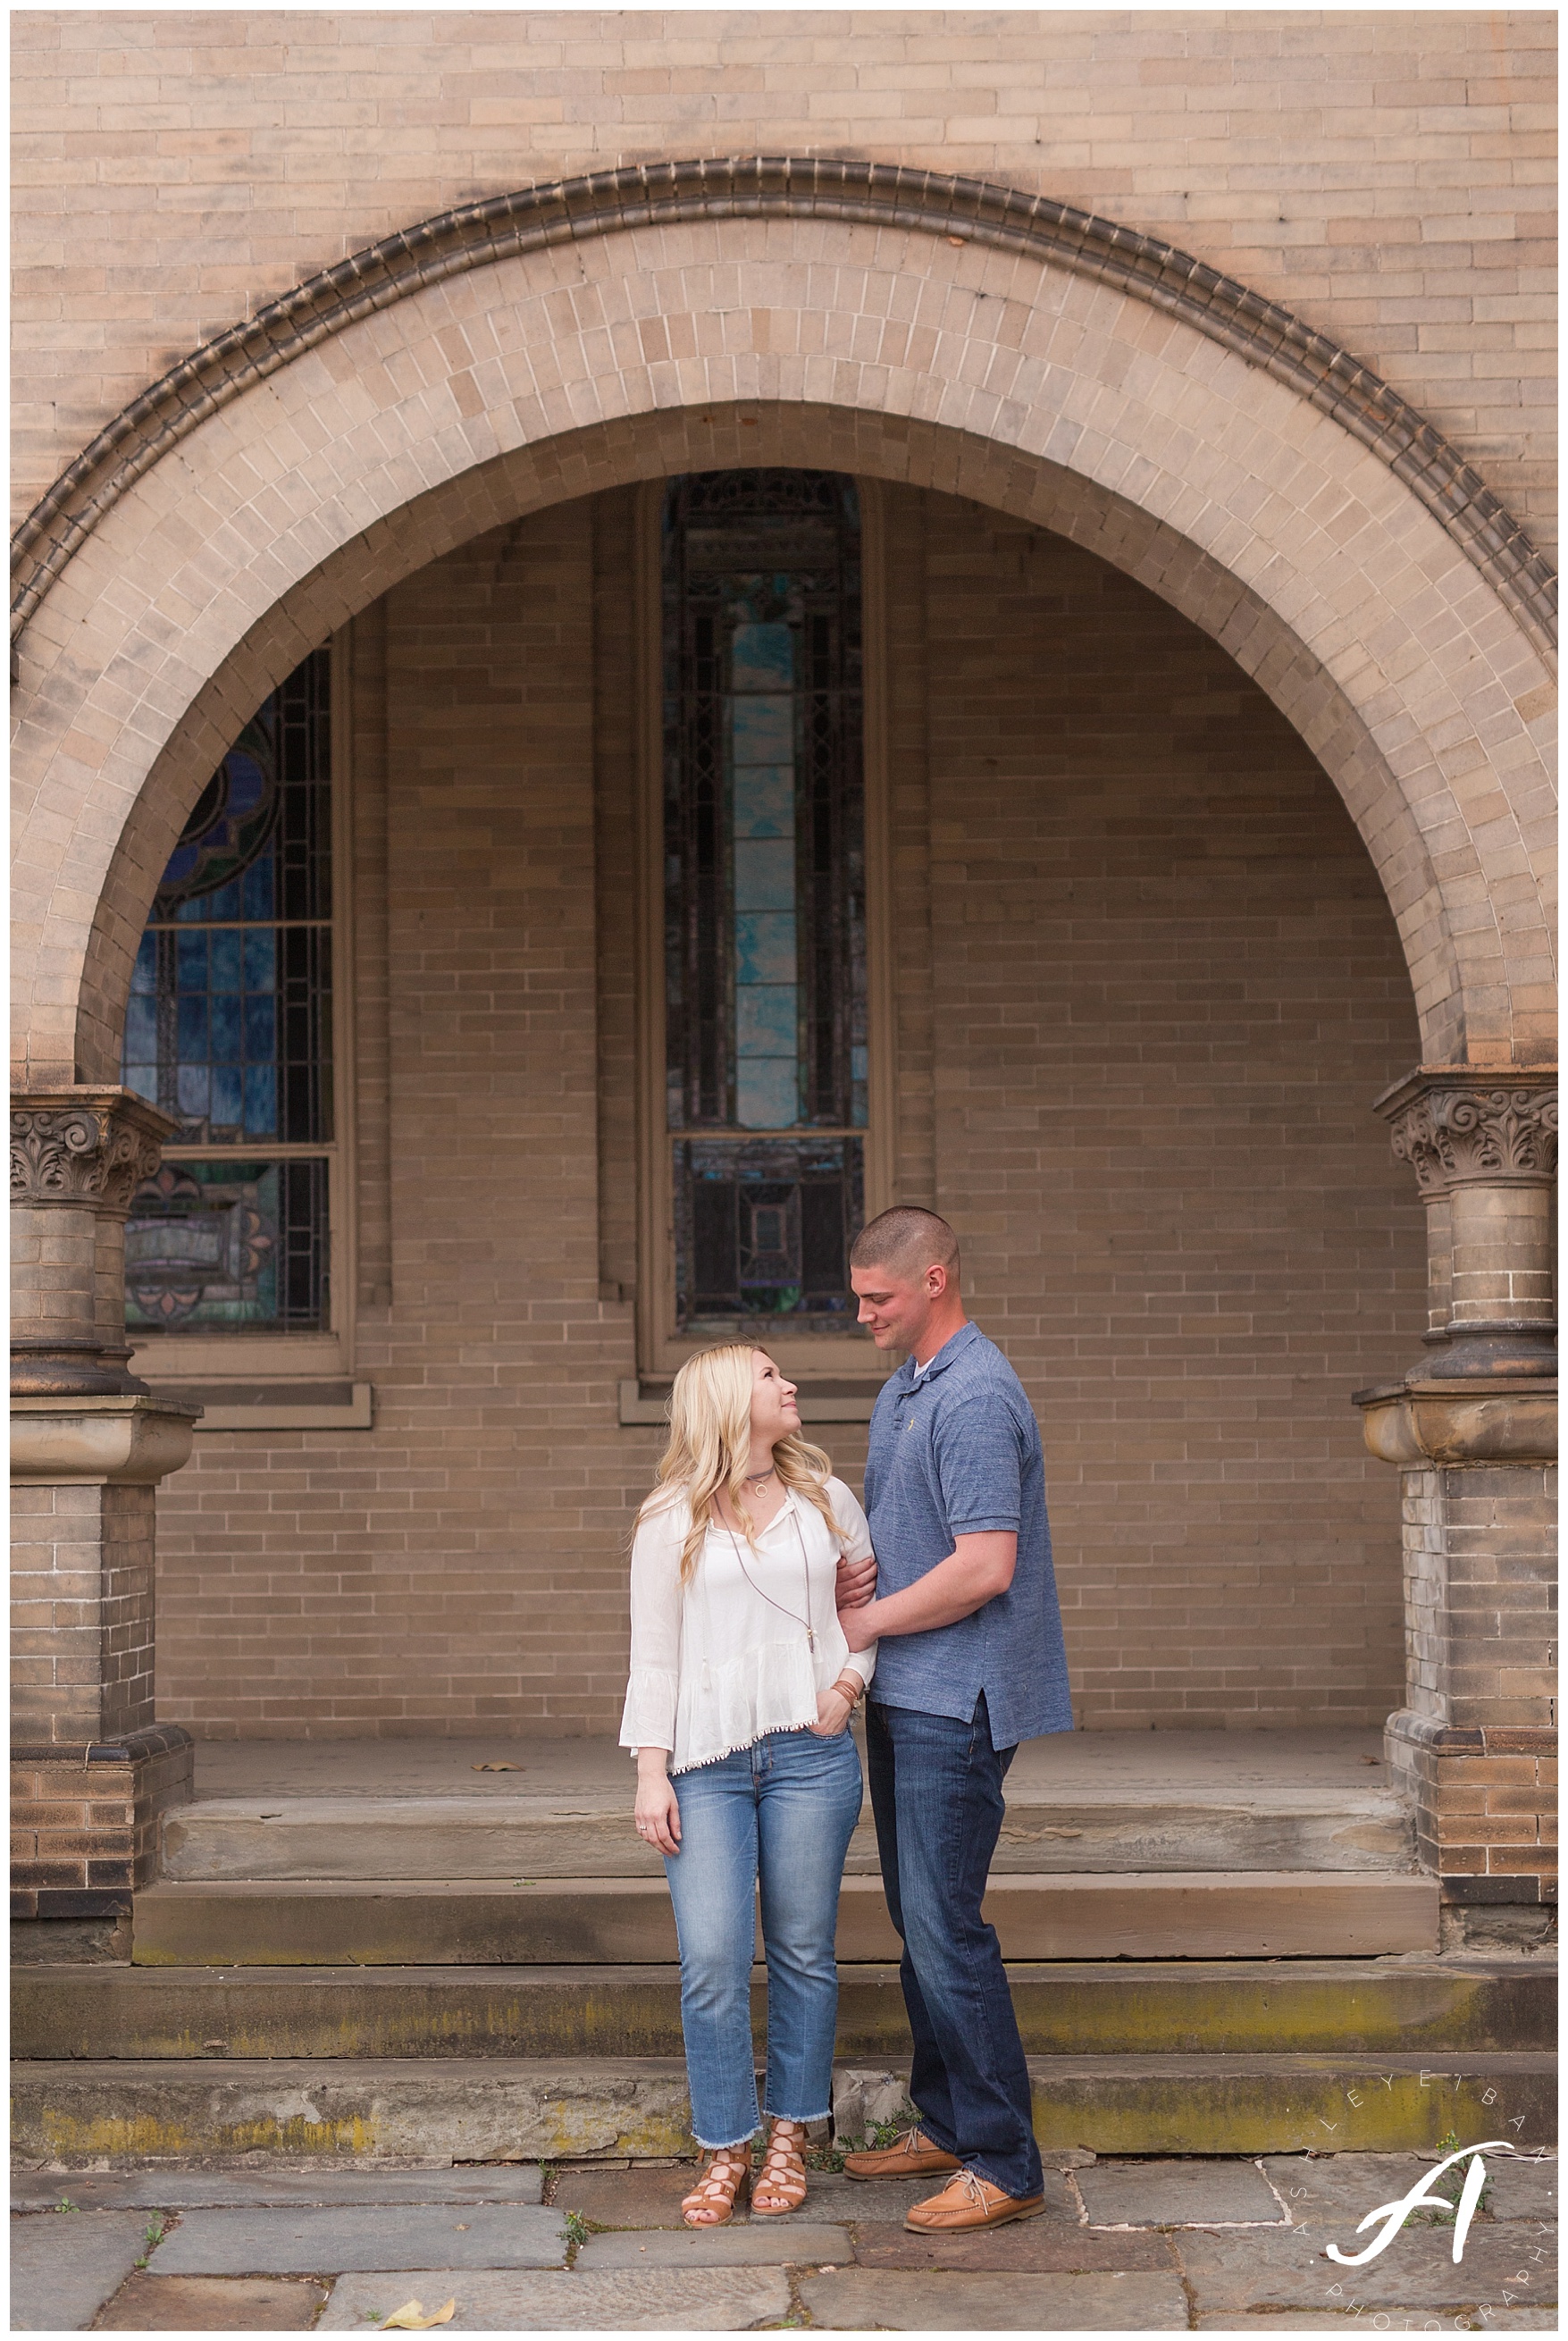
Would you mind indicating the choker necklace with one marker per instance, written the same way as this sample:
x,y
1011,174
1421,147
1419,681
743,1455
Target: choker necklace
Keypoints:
x,y
755,1479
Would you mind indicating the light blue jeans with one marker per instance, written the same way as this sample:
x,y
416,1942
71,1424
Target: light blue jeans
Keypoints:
x,y
782,1811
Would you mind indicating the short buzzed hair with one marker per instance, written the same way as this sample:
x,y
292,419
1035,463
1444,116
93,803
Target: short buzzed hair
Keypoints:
x,y
909,1239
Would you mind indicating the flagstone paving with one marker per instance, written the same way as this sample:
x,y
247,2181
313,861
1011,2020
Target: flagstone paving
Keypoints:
x,y
1177,2194
701,2300
1128,2246
65,2265
211,2304
856,2299
303,2242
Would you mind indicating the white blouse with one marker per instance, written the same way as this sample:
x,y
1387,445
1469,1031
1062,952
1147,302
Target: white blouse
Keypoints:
x,y
714,1664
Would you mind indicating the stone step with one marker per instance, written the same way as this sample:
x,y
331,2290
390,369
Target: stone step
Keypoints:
x,y
567,1813
68,2115
1114,2007
557,1922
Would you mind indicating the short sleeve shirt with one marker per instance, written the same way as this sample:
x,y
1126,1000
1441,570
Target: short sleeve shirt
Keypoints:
x,y
953,1451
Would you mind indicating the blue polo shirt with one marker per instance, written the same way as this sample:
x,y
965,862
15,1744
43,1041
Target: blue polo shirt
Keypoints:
x,y
954,1450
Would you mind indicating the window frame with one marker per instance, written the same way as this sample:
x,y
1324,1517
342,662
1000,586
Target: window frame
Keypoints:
x,y
660,1350
178,1360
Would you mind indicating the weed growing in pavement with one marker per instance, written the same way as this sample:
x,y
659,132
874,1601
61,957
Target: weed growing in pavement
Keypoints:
x,y
1435,2215
66,2203
577,2230
154,2238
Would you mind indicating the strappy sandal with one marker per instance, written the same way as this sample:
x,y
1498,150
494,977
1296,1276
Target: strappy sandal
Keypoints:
x,y
781,2184
711,2202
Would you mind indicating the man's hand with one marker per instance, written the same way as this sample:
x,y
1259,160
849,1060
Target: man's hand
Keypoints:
x,y
856,1583
859,1631
979,1566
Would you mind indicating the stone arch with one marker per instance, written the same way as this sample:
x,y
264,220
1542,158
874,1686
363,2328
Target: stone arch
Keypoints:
x,y
1406,648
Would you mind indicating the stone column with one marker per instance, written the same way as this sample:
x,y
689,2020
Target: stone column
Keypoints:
x,y
1473,1430
89,1443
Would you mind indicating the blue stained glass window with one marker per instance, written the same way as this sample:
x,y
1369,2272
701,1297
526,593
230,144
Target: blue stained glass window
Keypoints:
x,y
765,943
229,1031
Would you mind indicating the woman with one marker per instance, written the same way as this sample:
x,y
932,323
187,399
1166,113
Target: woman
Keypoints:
x,y
742,1687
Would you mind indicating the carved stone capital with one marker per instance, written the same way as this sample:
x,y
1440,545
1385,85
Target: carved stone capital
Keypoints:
x,y
84,1149
1415,1424
1458,1126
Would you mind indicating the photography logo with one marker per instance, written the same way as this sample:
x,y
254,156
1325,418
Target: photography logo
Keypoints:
x,y
1394,2214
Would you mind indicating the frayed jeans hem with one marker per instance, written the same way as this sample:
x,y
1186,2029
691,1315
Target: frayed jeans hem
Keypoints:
x,y
725,2144
769,2114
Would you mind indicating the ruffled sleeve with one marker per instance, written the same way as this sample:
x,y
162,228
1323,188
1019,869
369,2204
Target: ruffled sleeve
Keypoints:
x,y
856,1545
648,1719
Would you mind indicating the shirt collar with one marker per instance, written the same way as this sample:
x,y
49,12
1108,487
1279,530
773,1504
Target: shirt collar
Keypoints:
x,y
951,1349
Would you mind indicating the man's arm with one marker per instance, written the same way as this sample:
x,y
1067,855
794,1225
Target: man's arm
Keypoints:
x,y
979,1567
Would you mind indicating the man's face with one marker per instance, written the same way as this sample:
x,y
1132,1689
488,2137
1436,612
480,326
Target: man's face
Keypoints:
x,y
896,1302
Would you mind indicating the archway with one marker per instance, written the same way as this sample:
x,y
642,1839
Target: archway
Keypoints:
x,y
1207,446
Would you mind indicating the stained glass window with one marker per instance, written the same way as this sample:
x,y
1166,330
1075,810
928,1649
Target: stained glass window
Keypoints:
x,y
765,894
229,1031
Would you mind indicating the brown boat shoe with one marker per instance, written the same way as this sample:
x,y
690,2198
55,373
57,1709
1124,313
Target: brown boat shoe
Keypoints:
x,y
914,2157
968,2202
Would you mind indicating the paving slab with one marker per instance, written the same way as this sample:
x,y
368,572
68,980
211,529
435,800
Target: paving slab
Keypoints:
x,y
1349,2184
1177,2194
211,2304
789,2242
190,2190
855,2300
1030,2246
1307,2320
65,2265
1525,2189
1510,2263
664,2300
305,2242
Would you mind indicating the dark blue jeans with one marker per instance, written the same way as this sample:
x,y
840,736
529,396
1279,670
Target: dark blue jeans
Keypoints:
x,y
936,1794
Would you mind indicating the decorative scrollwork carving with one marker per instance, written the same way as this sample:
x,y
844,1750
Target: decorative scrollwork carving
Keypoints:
x,y
93,1156
1453,1129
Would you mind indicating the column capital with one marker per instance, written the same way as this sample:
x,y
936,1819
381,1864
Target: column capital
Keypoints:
x,y
82,1147
1461,1125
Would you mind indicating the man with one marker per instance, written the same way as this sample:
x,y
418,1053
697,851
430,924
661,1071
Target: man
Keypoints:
x,y
970,1662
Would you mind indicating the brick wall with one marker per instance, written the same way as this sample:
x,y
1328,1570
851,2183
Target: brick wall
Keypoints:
x,y
461,1566
1147,987
1387,175
1167,989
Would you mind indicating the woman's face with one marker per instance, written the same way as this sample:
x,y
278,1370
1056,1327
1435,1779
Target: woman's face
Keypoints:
x,y
774,1414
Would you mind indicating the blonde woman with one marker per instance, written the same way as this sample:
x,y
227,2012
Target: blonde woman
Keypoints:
x,y
742,1687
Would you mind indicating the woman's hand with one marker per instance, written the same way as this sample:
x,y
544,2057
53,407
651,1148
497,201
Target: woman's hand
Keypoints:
x,y
657,1810
833,1713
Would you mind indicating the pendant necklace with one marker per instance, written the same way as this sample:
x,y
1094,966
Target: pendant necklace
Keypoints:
x,y
805,1571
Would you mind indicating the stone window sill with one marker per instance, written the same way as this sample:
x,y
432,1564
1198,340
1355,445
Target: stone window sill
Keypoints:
x,y
648,1401
278,1406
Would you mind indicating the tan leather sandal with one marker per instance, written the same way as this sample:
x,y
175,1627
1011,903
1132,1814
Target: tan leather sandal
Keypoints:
x,y
781,2184
711,2202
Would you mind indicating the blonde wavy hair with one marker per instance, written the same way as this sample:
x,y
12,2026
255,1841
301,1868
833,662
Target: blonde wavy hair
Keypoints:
x,y
711,1446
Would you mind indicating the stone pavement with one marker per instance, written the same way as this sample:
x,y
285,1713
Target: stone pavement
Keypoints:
x,y
1154,2245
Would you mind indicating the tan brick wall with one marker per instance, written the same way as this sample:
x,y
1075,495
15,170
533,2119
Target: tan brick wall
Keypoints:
x,y
1138,1060
1387,175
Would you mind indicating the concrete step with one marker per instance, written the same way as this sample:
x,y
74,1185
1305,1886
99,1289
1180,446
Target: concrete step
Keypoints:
x,y
1094,1802
69,2115
558,1922
1114,2007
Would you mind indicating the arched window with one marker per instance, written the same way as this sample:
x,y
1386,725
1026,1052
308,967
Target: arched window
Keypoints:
x,y
764,955
229,1029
